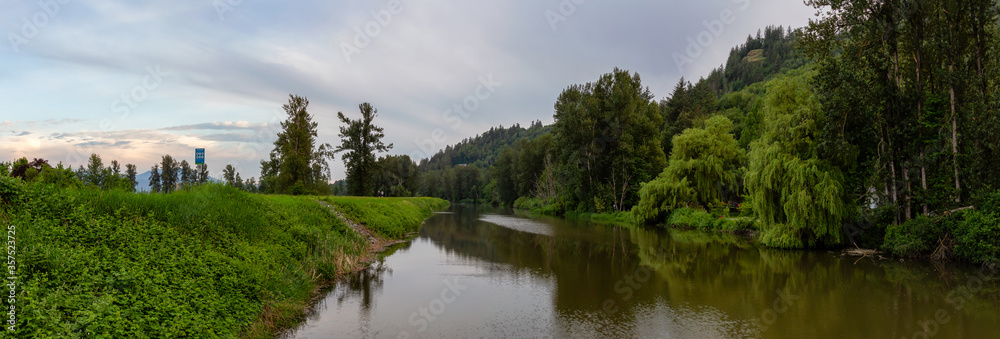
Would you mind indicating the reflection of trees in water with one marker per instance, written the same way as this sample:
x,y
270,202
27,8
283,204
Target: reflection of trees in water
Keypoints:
x,y
881,298
364,284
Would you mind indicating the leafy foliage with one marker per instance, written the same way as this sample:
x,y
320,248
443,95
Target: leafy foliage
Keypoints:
x,y
606,140
798,197
210,261
704,164
298,163
918,236
360,141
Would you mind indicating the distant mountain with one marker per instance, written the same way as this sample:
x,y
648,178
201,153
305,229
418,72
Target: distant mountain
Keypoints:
x,y
142,181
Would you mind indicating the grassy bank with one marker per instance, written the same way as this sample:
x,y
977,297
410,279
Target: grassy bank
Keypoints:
x,y
389,217
205,262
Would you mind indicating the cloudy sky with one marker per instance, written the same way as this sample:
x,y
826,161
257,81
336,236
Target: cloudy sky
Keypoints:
x,y
133,80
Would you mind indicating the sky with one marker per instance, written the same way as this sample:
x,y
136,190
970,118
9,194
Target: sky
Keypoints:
x,y
134,80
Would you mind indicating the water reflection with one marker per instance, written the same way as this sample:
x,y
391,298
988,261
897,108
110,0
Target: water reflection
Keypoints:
x,y
555,277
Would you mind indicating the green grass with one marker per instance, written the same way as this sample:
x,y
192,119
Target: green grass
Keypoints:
x,y
206,262
389,217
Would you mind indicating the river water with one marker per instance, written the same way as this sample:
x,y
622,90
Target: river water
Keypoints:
x,y
477,272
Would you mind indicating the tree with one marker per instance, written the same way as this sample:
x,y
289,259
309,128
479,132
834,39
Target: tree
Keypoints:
x,y
360,141
130,173
229,175
187,175
115,168
296,164
168,173
155,184
607,140
202,173
904,90
238,182
95,171
798,197
398,175
703,167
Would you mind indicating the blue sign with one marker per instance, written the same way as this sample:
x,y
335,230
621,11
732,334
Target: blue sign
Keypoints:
x,y
199,156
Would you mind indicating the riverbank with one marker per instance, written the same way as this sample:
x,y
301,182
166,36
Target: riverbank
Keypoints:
x,y
209,261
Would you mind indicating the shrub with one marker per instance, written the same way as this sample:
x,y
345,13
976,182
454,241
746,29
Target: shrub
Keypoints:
x,y
11,190
977,237
915,237
690,217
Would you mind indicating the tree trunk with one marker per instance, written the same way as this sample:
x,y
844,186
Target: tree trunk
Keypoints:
x,y
909,203
954,138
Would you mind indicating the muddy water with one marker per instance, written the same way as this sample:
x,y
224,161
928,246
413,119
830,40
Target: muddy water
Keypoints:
x,y
476,272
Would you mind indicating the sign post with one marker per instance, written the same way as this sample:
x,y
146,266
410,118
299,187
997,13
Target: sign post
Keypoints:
x,y
199,156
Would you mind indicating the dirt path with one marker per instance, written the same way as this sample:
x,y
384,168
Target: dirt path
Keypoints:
x,y
376,243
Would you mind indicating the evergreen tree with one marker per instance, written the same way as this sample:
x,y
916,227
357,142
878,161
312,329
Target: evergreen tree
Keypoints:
x,y
297,164
95,171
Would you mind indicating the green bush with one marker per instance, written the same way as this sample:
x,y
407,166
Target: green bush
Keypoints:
x,y
689,217
536,205
11,190
977,237
915,237
699,219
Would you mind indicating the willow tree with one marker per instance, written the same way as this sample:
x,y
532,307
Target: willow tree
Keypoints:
x,y
704,164
797,196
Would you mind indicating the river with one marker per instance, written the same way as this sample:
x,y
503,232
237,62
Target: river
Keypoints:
x,y
480,272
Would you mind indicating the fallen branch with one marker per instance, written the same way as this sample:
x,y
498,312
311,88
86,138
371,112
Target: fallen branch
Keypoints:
x,y
959,209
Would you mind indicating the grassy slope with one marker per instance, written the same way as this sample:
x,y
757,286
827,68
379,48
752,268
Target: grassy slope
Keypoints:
x,y
207,262
389,217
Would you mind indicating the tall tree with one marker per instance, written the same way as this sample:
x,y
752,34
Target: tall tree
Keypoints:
x,y
229,175
202,173
361,140
155,184
130,173
95,170
903,91
797,196
608,141
299,164
187,175
168,173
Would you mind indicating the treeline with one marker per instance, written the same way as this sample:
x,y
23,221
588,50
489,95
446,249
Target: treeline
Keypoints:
x,y
169,175
889,127
528,167
891,130
95,174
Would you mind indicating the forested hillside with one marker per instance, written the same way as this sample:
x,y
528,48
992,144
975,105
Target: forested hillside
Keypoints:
x,y
872,126
504,164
